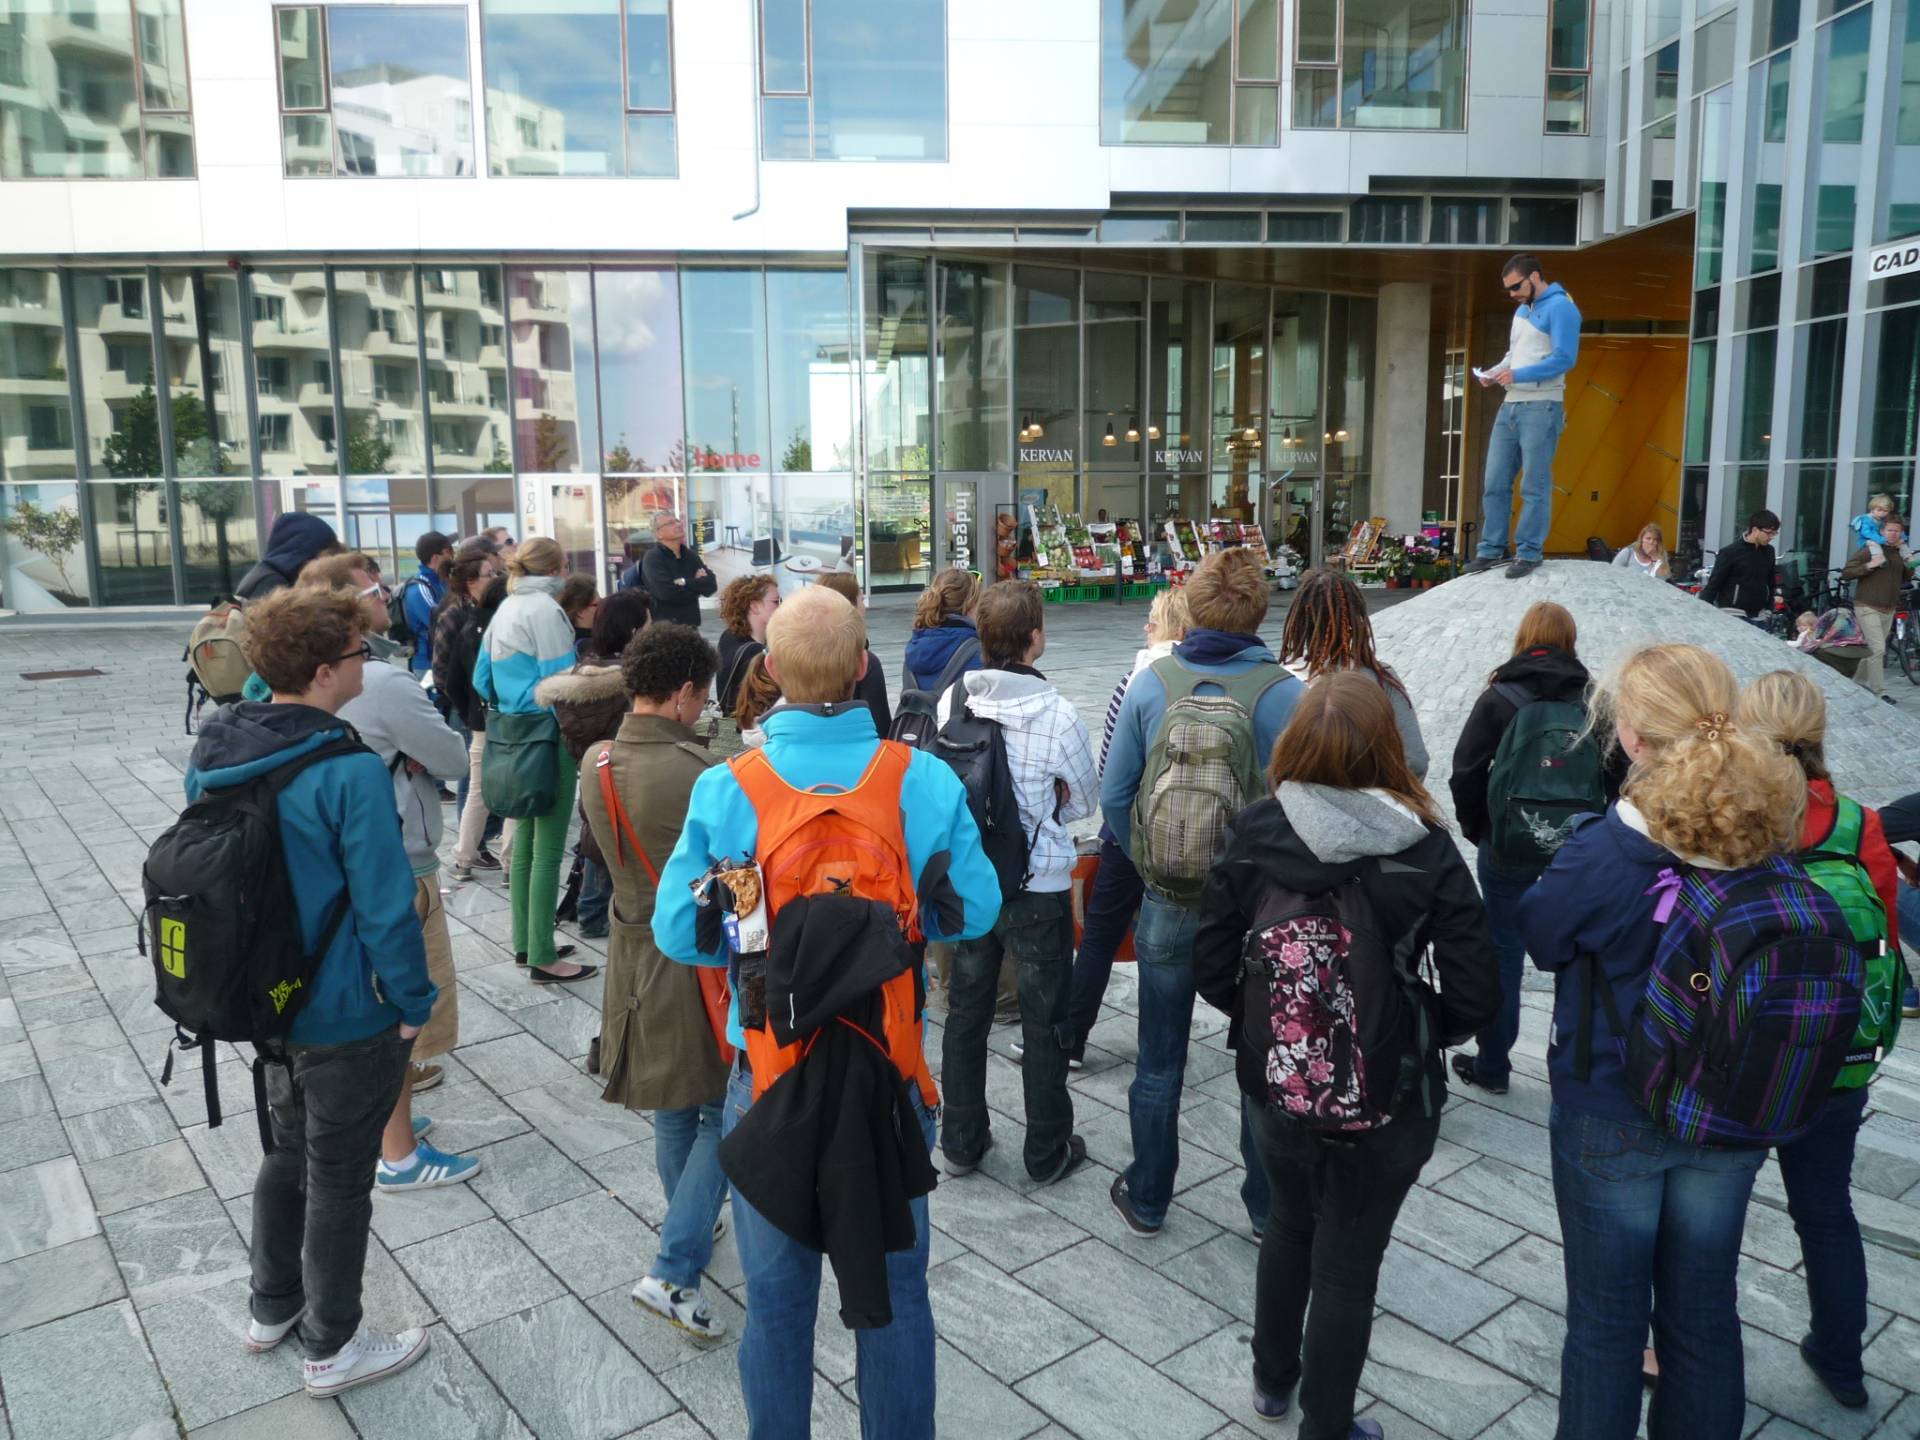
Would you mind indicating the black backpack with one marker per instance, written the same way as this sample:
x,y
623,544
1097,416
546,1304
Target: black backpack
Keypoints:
x,y
399,628
1340,1011
976,749
228,962
918,716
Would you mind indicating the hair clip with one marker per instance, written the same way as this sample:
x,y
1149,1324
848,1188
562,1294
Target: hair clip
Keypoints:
x,y
1712,725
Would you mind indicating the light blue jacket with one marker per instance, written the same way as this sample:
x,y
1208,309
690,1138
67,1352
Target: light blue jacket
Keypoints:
x,y
340,833
530,638
815,746
1139,723
1556,314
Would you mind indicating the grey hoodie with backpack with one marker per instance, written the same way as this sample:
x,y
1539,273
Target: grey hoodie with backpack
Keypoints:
x,y
1311,838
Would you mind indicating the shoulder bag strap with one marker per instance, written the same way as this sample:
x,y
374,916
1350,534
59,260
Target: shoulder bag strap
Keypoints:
x,y
963,655
617,814
1514,693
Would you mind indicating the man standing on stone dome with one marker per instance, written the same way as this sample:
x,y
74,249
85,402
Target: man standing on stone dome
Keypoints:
x,y
1544,343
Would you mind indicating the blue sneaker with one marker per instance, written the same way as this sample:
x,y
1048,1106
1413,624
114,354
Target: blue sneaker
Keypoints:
x,y
431,1168
1270,1407
421,1126
1366,1430
1910,1002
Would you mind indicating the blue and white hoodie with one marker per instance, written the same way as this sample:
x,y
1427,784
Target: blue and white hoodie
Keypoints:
x,y
1542,347
530,638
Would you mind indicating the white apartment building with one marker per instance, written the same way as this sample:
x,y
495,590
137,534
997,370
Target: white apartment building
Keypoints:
x,y
833,276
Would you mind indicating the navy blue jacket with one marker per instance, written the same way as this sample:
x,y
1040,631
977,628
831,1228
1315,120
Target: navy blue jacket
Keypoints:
x,y
929,650
1593,900
420,597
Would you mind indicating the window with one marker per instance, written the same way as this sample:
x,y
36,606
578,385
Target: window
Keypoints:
x,y
1176,72
853,79
1304,227
1381,64
1386,222
551,312
1900,190
49,428
111,106
1840,104
276,432
1767,159
1543,222
375,90
1463,222
275,373
580,87
1569,65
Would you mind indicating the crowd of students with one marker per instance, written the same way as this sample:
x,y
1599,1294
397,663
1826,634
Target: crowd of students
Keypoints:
x,y
1267,836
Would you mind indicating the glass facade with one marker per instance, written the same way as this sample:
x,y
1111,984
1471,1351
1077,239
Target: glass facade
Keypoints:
x,y
1176,73
374,90
1381,64
94,90
853,79
579,87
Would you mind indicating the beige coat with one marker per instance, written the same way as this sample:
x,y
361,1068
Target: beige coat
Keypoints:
x,y
656,1047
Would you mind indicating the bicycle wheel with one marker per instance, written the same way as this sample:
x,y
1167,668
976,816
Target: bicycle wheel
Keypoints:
x,y
1910,651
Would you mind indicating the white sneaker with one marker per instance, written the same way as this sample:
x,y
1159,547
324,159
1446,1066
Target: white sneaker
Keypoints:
x,y
370,1355
262,1338
685,1307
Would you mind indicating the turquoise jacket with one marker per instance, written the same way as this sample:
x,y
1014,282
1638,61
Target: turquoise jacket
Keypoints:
x,y
530,638
832,745
340,833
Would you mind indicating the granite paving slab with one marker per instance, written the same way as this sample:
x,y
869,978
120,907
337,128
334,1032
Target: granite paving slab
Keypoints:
x,y
24,1096
175,1247
1456,1233
1102,1390
629,1175
1083,1199
589,1242
139,1177
709,1386
48,1284
403,1219
442,1396
571,1114
32,1141
86,1375
43,1207
524,1174
657,1343
200,1342
1219,1370
293,1418
976,1209
514,1062
1441,1387
1524,1340
478,1274
1894,1354
565,1375
1123,1300
97,1079
229,1153
1507,1192
1439,1298
1222,1269
1002,1325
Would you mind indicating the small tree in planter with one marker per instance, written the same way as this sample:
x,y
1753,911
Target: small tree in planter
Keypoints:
x,y
54,533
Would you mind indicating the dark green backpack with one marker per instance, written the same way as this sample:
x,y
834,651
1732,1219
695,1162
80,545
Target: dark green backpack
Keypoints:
x,y
1546,774
1834,864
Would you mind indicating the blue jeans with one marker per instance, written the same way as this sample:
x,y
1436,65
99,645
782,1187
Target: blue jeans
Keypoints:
x,y
596,894
1117,889
1525,433
1818,1171
1651,1227
1501,890
686,1152
894,1364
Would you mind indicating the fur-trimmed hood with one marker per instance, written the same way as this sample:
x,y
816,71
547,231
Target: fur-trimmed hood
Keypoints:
x,y
589,701
584,684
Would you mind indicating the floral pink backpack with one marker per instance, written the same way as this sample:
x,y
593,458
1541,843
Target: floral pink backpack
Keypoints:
x,y
1341,1013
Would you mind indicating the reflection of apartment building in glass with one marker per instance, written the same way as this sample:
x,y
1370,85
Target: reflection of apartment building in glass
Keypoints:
x,y
1147,257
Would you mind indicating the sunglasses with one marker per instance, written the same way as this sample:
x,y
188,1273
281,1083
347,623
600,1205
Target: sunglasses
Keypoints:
x,y
1516,287
365,652
369,592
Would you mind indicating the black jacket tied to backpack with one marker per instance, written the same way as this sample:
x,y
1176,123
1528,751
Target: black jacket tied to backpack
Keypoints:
x,y
1411,881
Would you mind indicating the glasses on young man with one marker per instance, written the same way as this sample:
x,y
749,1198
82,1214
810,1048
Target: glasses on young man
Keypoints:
x,y
365,652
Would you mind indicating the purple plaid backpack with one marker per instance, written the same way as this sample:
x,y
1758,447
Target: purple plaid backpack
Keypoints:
x,y
1751,1004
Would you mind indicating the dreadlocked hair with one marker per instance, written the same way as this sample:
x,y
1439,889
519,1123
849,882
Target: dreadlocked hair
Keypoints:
x,y
1328,630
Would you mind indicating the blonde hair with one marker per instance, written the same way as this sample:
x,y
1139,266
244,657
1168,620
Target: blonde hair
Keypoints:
x,y
1171,615
951,592
1229,592
1705,785
1658,534
539,555
1787,708
1881,499
816,641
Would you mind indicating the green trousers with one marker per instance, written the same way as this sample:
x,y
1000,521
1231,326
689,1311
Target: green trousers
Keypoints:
x,y
534,879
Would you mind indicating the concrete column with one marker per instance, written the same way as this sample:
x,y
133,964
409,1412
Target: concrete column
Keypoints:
x,y
1402,382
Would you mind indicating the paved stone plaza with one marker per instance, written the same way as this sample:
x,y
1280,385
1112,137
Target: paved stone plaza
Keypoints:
x,y
123,1217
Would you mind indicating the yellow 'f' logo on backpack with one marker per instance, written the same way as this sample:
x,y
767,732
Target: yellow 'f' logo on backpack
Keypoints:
x,y
173,948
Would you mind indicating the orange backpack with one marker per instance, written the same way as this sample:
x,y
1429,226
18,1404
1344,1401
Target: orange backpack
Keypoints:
x,y
816,842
